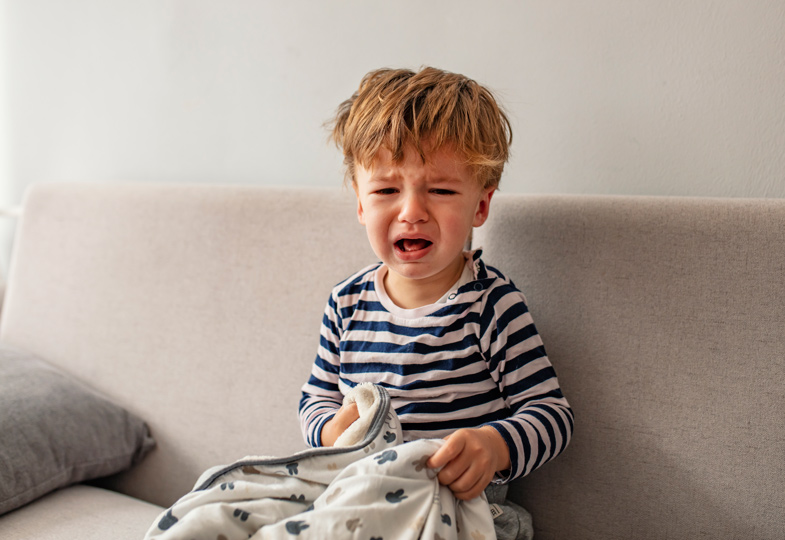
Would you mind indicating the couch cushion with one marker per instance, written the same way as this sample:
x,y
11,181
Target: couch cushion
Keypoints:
x,y
55,431
83,512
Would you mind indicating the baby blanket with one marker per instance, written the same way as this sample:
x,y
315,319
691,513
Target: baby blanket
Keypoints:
x,y
373,487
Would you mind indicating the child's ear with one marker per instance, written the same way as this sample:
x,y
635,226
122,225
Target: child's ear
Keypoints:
x,y
360,214
483,206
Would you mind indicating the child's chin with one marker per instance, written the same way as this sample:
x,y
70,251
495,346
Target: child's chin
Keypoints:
x,y
413,271
406,271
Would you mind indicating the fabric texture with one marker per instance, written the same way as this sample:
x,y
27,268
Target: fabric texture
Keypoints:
x,y
664,318
478,360
511,521
368,404
55,431
80,512
379,488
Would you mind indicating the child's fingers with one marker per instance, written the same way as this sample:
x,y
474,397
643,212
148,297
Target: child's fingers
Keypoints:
x,y
467,463
449,451
465,477
474,490
456,473
456,464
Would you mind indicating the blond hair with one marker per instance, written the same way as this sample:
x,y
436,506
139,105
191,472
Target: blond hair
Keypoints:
x,y
397,107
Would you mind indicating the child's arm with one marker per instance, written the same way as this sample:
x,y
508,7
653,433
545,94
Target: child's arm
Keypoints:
x,y
470,458
539,426
321,398
540,422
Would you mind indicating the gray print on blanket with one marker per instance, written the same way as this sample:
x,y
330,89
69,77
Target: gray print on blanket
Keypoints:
x,y
375,488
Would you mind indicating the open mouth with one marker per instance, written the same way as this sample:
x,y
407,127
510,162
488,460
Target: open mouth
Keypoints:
x,y
412,244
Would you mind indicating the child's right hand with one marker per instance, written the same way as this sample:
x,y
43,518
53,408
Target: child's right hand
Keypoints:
x,y
336,425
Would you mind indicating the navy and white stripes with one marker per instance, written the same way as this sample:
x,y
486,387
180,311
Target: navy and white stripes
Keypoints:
x,y
474,360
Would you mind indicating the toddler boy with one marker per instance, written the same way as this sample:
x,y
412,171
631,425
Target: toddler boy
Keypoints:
x,y
450,339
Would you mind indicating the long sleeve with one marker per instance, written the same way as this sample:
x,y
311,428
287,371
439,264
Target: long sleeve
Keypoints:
x,y
542,421
321,397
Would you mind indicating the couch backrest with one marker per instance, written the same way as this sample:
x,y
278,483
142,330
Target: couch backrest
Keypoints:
x,y
665,320
197,307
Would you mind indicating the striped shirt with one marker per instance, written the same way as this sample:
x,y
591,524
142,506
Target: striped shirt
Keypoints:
x,y
475,360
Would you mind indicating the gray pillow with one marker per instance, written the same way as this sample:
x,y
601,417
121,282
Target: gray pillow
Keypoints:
x,y
54,431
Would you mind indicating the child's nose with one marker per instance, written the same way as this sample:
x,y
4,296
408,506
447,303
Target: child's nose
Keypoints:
x,y
413,209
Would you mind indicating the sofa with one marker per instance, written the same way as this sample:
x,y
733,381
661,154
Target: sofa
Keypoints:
x,y
194,310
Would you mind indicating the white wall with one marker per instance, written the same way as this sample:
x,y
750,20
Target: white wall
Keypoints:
x,y
613,96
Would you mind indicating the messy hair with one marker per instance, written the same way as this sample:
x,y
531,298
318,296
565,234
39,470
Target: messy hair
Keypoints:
x,y
397,107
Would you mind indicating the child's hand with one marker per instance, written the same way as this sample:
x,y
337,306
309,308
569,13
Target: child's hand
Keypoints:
x,y
469,460
336,425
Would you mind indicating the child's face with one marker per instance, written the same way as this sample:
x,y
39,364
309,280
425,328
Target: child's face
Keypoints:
x,y
419,215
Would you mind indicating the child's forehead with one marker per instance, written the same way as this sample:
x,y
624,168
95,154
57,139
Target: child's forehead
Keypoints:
x,y
445,156
445,159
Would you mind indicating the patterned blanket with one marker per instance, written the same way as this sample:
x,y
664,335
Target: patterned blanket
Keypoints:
x,y
374,488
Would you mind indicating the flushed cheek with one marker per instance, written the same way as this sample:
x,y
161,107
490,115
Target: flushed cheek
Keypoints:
x,y
456,229
379,238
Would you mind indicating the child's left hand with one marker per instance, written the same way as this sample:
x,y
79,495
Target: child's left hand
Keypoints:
x,y
469,460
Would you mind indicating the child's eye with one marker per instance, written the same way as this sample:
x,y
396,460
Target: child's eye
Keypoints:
x,y
386,191
443,191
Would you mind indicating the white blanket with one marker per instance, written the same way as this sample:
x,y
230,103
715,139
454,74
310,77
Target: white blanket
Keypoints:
x,y
374,488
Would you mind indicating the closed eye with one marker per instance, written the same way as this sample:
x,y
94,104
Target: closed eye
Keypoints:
x,y
386,191
443,191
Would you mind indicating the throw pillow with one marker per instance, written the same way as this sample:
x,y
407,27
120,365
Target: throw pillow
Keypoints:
x,y
55,431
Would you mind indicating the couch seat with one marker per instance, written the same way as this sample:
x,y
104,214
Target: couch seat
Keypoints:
x,y
80,512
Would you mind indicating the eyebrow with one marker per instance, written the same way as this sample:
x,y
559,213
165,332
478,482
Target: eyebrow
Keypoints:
x,y
391,176
450,180
382,177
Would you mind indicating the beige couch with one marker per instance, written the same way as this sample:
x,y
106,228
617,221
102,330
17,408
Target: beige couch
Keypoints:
x,y
197,308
